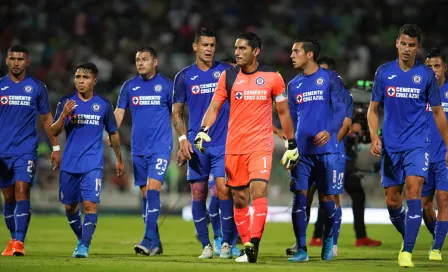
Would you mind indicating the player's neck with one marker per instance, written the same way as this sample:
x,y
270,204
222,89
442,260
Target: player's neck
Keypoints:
x,y
406,66
18,78
85,96
204,66
148,76
310,68
250,68
441,81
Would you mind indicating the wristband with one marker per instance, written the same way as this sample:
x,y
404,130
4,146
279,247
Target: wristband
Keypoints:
x,y
56,148
292,144
204,129
181,138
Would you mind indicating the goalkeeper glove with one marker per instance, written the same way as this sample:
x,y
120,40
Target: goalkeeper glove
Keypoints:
x,y
202,136
291,156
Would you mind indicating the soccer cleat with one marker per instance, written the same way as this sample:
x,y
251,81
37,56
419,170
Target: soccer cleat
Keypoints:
x,y
217,245
156,251
76,248
242,258
207,252
327,249
435,255
335,250
9,248
226,251
83,252
315,242
366,241
292,250
300,256
405,259
235,251
251,252
141,249
18,248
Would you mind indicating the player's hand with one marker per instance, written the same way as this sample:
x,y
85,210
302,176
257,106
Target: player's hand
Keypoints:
x,y
119,168
186,148
281,134
322,138
291,156
202,136
181,158
56,159
69,106
108,141
375,147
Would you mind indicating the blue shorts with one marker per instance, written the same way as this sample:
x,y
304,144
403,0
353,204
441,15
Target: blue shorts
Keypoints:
x,y
150,167
211,181
396,166
201,166
340,174
322,169
17,168
437,179
77,187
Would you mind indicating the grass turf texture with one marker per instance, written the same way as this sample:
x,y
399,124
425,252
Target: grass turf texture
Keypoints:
x,y
50,243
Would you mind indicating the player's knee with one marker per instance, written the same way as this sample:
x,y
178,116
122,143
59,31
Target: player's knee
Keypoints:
x,y
427,203
22,191
240,198
153,185
71,208
89,207
223,192
258,189
393,202
442,200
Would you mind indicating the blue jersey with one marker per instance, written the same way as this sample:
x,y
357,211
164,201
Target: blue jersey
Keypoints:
x,y
84,130
317,103
196,87
150,105
348,114
437,149
19,105
405,95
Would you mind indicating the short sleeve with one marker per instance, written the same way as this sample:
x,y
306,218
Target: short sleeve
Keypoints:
x,y
123,101
179,93
110,123
43,103
279,85
378,87
221,91
433,90
59,109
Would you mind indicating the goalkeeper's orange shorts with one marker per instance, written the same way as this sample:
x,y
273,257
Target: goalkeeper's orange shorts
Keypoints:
x,y
242,169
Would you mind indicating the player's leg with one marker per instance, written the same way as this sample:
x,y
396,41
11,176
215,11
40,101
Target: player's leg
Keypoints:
x,y
338,216
7,185
140,168
428,191
213,213
316,239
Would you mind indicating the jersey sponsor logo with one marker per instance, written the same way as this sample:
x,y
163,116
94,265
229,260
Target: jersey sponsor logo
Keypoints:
x,y
15,100
4,88
239,95
417,79
204,88
299,98
96,107
259,81
4,100
320,81
252,95
216,74
403,92
28,89
158,88
146,100
391,91
310,96
195,89
85,119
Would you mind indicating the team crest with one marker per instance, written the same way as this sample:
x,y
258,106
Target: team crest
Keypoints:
x,y
195,89
239,95
259,81
320,81
4,100
96,107
391,91
210,178
135,100
299,98
28,89
417,79
158,88
446,95
216,74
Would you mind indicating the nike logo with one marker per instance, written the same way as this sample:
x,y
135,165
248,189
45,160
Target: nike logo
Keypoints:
x,y
213,214
425,168
261,214
153,210
9,216
414,216
239,82
193,78
136,88
239,224
392,76
227,218
22,214
4,88
298,86
73,221
199,220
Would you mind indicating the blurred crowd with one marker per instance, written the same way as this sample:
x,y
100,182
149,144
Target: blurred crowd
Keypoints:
x,y
359,34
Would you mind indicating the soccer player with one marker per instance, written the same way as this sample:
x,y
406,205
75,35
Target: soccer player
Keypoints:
x,y
251,89
84,115
148,96
195,86
437,173
318,103
22,98
405,86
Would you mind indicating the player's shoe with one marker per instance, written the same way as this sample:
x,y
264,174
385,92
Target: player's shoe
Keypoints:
x,y
156,251
83,252
217,245
317,242
300,256
366,241
335,250
18,248
435,255
292,250
207,252
76,248
251,250
327,249
235,251
405,259
141,249
226,251
9,248
242,258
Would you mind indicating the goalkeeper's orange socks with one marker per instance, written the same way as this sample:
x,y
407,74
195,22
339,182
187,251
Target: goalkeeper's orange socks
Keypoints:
x,y
259,217
242,221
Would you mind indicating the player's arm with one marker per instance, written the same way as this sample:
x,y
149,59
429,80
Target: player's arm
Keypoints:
x,y
373,115
279,132
177,116
122,103
347,123
110,124
119,115
62,112
47,120
437,110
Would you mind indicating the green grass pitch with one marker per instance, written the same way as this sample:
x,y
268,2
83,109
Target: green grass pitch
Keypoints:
x,y
50,243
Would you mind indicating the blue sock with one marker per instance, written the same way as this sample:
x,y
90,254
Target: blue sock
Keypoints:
x,y
144,209
199,212
299,218
8,213
397,217
430,225
337,225
330,217
88,228
22,219
227,220
235,234
213,212
440,234
152,218
75,223
413,222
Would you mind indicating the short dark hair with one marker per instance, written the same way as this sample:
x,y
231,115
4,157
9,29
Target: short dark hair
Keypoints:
x,y
412,30
88,66
149,49
328,61
202,31
436,53
252,39
18,48
310,44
